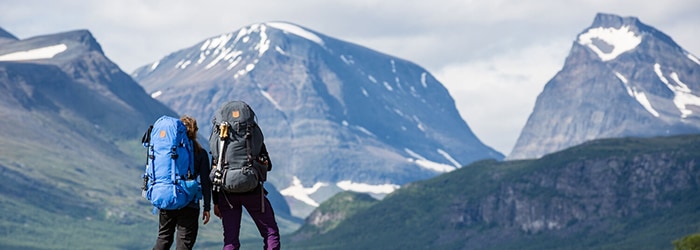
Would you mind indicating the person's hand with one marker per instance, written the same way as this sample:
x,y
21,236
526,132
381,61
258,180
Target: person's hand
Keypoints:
x,y
217,212
205,217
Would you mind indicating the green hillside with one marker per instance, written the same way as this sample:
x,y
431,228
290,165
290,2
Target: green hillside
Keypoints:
x,y
607,194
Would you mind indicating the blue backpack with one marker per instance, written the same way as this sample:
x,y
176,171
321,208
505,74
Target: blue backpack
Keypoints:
x,y
169,182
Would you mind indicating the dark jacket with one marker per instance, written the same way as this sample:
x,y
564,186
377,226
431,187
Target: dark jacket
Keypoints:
x,y
202,167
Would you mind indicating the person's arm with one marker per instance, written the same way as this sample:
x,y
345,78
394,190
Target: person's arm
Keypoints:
x,y
214,197
204,169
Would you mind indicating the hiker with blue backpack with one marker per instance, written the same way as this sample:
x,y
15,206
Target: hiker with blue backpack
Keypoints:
x,y
240,165
176,179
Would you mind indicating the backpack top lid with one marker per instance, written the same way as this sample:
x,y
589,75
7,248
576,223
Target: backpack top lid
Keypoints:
x,y
168,131
236,113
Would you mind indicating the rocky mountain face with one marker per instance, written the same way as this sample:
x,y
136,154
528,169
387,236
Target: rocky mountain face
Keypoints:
x,y
67,74
336,116
621,78
331,213
6,36
605,194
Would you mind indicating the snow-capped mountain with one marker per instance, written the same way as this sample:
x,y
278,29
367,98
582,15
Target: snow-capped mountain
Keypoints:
x,y
6,36
336,116
621,78
69,74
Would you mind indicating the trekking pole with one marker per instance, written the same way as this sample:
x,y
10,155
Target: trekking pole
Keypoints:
x,y
223,134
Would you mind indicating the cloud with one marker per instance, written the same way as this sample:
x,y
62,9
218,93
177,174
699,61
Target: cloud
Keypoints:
x,y
496,95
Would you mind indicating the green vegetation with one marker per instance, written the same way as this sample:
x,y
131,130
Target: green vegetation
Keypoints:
x,y
70,189
690,242
332,212
475,207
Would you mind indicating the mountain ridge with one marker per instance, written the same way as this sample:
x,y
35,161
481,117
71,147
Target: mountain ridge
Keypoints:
x,y
618,80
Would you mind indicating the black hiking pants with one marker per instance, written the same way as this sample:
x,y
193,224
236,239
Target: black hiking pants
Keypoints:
x,y
185,221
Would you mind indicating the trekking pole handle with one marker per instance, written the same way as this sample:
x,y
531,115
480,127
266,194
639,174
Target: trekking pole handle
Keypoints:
x,y
218,175
223,130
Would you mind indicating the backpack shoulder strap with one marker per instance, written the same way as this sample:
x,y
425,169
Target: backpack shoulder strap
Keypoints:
x,y
190,149
147,136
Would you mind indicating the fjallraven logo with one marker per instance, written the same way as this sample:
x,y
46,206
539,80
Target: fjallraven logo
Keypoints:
x,y
236,113
162,134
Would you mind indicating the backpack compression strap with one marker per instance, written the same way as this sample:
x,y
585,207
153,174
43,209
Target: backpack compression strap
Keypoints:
x,y
249,155
146,141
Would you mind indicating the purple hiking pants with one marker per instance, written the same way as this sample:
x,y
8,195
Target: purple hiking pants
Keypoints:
x,y
230,206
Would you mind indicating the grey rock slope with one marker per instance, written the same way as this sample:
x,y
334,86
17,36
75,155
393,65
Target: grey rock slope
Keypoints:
x,y
334,114
69,74
621,78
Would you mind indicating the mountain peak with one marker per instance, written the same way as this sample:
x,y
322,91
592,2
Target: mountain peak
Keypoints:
x,y
611,35
4,35
290,28
55,46
621,78
615,21
83,37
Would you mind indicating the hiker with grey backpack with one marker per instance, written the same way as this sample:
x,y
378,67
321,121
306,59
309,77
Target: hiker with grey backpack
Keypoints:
x,y
240,162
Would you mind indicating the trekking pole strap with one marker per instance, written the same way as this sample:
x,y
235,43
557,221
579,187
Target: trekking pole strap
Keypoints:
x,y
262,197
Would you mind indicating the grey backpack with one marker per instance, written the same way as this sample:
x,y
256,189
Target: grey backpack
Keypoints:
x,y
237,149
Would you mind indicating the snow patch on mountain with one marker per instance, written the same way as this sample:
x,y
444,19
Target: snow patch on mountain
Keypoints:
x,y
683,96
245,70
347,59
449,158
47,52
372,79
156,94
155,65
360,128
423,78
427,164
296,30
264,43
637,95
693,58
269,98
301,193
217,46
367,188
182,64
387,86
220,49
609,43
364,92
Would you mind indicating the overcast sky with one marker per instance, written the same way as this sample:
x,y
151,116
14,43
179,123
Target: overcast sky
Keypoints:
x,y
494,56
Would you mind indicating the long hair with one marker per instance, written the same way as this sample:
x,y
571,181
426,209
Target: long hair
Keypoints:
x,y
192,129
